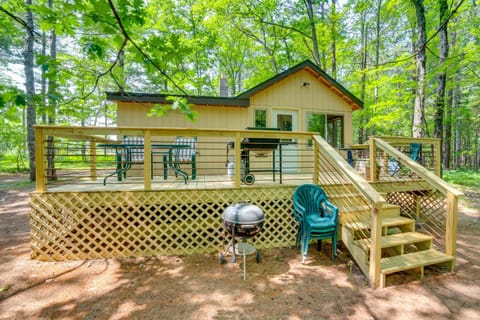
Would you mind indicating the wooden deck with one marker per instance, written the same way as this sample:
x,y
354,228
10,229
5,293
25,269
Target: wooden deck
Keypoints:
x,y
78,217
174,183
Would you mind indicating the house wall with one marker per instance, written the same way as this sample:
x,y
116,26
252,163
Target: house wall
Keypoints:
x,y
208,117
291,94
288,94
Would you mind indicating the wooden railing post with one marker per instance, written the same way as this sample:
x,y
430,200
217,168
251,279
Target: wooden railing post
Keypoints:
x,y
437,158
238,160
375,246
40,180
93,160
373,158
147,160
451,236
316,162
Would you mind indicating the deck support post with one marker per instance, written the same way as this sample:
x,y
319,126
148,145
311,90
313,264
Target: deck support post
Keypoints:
x,y
437,158
93,160
147,160
373,158
40,180
375,246
238,160
451,227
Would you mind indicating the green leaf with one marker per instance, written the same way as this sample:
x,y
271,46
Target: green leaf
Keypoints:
x,y
179,104
94,50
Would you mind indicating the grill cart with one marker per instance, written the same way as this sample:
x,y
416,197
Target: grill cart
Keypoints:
x,y
258,146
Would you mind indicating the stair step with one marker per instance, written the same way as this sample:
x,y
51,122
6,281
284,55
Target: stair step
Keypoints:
x,y
347,211
359,208
386,223
398,239
412,260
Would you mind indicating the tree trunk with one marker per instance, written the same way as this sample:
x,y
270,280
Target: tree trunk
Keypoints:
x,y
52,102
313,28
458,124
30,89
447,140
363,79
442,76
323,55
377,54
418,130
333,44
43,91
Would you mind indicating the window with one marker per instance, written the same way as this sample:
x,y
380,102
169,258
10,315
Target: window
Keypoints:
x,y
335,131
330,127
260,118
316,123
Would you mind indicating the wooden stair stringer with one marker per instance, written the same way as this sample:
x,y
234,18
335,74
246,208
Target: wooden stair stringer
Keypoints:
x,y
360,248
400,261
414,260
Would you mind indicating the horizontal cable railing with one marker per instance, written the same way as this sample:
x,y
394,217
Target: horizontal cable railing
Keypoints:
x,y
425,151
429,200
359,203
165,157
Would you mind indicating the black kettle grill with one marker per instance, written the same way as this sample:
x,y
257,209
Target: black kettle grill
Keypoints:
x,y
242,221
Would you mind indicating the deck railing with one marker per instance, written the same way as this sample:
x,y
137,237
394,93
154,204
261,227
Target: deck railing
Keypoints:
x,y
70,158
357,199
433,203
82,154
377,167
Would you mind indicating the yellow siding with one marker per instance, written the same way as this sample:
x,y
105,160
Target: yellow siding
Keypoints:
x,y
209,117
287,94
291,94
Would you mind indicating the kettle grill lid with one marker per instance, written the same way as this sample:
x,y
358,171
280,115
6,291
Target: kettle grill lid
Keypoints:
x,y
243,213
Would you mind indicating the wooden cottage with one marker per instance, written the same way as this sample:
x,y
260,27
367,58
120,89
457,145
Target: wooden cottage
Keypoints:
x,y
395,211
302,98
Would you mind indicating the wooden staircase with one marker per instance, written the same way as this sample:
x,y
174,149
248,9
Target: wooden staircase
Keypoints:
x,y
402,247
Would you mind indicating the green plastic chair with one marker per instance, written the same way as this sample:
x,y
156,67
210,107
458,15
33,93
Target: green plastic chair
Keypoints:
x,y
317,217
416,151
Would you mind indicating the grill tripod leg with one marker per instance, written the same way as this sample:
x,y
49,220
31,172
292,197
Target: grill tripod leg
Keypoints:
x,y
234,258
244,264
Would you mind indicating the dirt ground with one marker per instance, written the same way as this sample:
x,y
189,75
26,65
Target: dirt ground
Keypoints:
x,y
199,287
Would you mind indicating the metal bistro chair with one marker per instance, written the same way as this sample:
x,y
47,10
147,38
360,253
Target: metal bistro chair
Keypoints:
x,y
180,156
317,217
133,155
127,156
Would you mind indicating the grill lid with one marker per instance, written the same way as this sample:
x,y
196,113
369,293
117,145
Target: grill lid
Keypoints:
x,y
243,213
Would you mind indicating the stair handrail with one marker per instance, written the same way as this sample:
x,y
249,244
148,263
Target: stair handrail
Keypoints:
x,y
445,188
360,183
372,195
421,171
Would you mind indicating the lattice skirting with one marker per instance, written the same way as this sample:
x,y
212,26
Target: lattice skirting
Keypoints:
x,y
420,205
96,225
427,208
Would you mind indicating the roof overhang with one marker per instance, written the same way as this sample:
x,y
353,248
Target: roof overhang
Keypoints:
x,y
166,99
243,99
324,78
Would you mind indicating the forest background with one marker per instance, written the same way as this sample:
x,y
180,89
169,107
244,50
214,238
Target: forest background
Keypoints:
x,y
414,63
